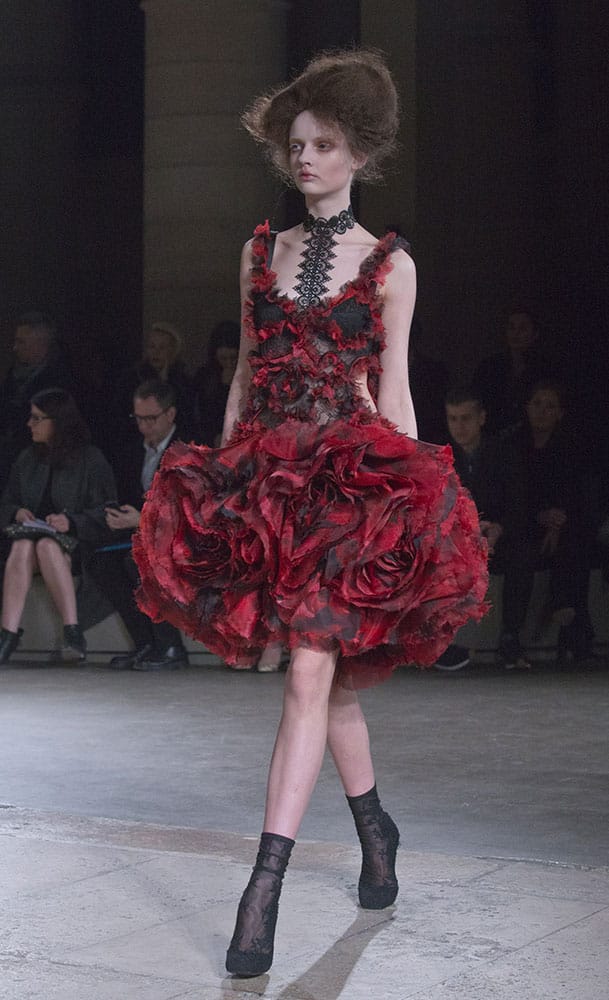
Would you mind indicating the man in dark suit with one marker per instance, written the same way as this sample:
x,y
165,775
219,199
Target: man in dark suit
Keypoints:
x,y
157,646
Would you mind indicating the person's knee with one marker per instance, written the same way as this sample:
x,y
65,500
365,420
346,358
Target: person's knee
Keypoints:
x,y
309,677
22,553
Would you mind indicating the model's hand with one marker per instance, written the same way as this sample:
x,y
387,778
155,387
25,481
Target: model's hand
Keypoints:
x,y
59,522
123,518
23,514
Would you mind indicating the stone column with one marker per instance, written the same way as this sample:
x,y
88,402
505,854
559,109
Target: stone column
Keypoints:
x,y
205,182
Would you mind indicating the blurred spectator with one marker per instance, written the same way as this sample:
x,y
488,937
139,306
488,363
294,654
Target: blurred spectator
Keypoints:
x,y
428,385
157,646
161,360
544,520
504,380
213,380
482,470
38,365
62,482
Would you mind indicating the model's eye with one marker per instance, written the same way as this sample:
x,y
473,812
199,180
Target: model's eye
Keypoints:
x,y
295,147
324,145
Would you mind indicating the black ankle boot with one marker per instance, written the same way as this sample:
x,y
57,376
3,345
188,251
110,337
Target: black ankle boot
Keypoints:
x,y
379,837
250,952
74,645
8,643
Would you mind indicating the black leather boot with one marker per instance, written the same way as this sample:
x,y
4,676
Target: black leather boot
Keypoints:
x,y
379,837
251,950
74,644
8,643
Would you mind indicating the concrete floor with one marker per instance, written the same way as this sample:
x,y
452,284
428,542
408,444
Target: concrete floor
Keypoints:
x,y
128,800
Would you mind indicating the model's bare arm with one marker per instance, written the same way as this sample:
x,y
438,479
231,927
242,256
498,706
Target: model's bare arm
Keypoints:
x,y
241,378
394,399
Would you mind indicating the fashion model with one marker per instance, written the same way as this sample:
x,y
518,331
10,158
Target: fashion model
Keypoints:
x,y
321,523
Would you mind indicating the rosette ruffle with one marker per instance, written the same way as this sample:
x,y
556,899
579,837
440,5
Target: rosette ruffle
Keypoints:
x,y
349,536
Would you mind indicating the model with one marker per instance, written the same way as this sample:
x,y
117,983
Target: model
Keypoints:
x,y
320,523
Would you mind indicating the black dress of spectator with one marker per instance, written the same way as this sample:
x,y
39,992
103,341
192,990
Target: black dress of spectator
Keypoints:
x,y
65,482
213,380
38,365
544,522
428,386
504,381
161,361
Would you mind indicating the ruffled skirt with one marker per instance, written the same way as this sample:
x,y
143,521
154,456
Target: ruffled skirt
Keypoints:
x,y
349,537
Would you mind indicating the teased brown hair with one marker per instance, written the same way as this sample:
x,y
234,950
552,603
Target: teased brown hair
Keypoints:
x,y
352,89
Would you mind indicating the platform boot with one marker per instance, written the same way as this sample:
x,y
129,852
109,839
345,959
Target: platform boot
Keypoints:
x,y
251,950
379,837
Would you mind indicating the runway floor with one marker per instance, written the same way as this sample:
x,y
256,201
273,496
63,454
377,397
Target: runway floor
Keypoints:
x,y
131,804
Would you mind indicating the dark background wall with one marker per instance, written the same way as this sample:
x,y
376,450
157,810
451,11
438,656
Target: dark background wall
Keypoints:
x,y
509,205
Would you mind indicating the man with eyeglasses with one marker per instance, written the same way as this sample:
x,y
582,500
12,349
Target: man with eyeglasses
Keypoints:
x,y
157,646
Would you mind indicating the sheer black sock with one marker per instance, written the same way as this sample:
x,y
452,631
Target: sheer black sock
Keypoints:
x,y
379,837
251,950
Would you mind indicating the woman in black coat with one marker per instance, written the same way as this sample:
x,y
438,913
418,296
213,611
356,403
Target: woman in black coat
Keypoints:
x,y
53,501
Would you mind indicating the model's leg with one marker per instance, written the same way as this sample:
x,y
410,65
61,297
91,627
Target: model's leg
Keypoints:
x,y
378,835
295,765
55,567
18,573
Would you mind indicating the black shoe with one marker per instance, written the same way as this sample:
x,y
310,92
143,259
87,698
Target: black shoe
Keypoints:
x,y
453,658
173,658
379,837
125,661
512,653
8,643
74,644
250,952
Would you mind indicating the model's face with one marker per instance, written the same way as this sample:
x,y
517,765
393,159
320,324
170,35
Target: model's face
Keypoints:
x,y
41,426
465,422
544,411
321,162
160,350
153,422
520,332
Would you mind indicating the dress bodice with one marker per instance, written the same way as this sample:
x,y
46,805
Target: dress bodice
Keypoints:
x,y
306,363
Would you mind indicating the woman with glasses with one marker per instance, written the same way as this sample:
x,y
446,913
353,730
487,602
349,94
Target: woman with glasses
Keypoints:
x,y
51,507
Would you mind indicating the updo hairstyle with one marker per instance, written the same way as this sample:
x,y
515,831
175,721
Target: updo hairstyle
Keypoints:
x,y
352,89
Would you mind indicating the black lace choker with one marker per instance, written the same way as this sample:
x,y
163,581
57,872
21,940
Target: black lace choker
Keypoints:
x,y
318,254
336,224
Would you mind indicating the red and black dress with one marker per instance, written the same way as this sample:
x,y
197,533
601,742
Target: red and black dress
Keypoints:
x,y
318,524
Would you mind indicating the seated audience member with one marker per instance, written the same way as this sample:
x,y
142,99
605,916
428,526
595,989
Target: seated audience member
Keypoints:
x,y
63,482
480,465
428,385
504,380
37,366
213,380
157,646
161,361
546,508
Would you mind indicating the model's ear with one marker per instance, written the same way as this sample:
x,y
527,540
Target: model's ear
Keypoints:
x,y
359,160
